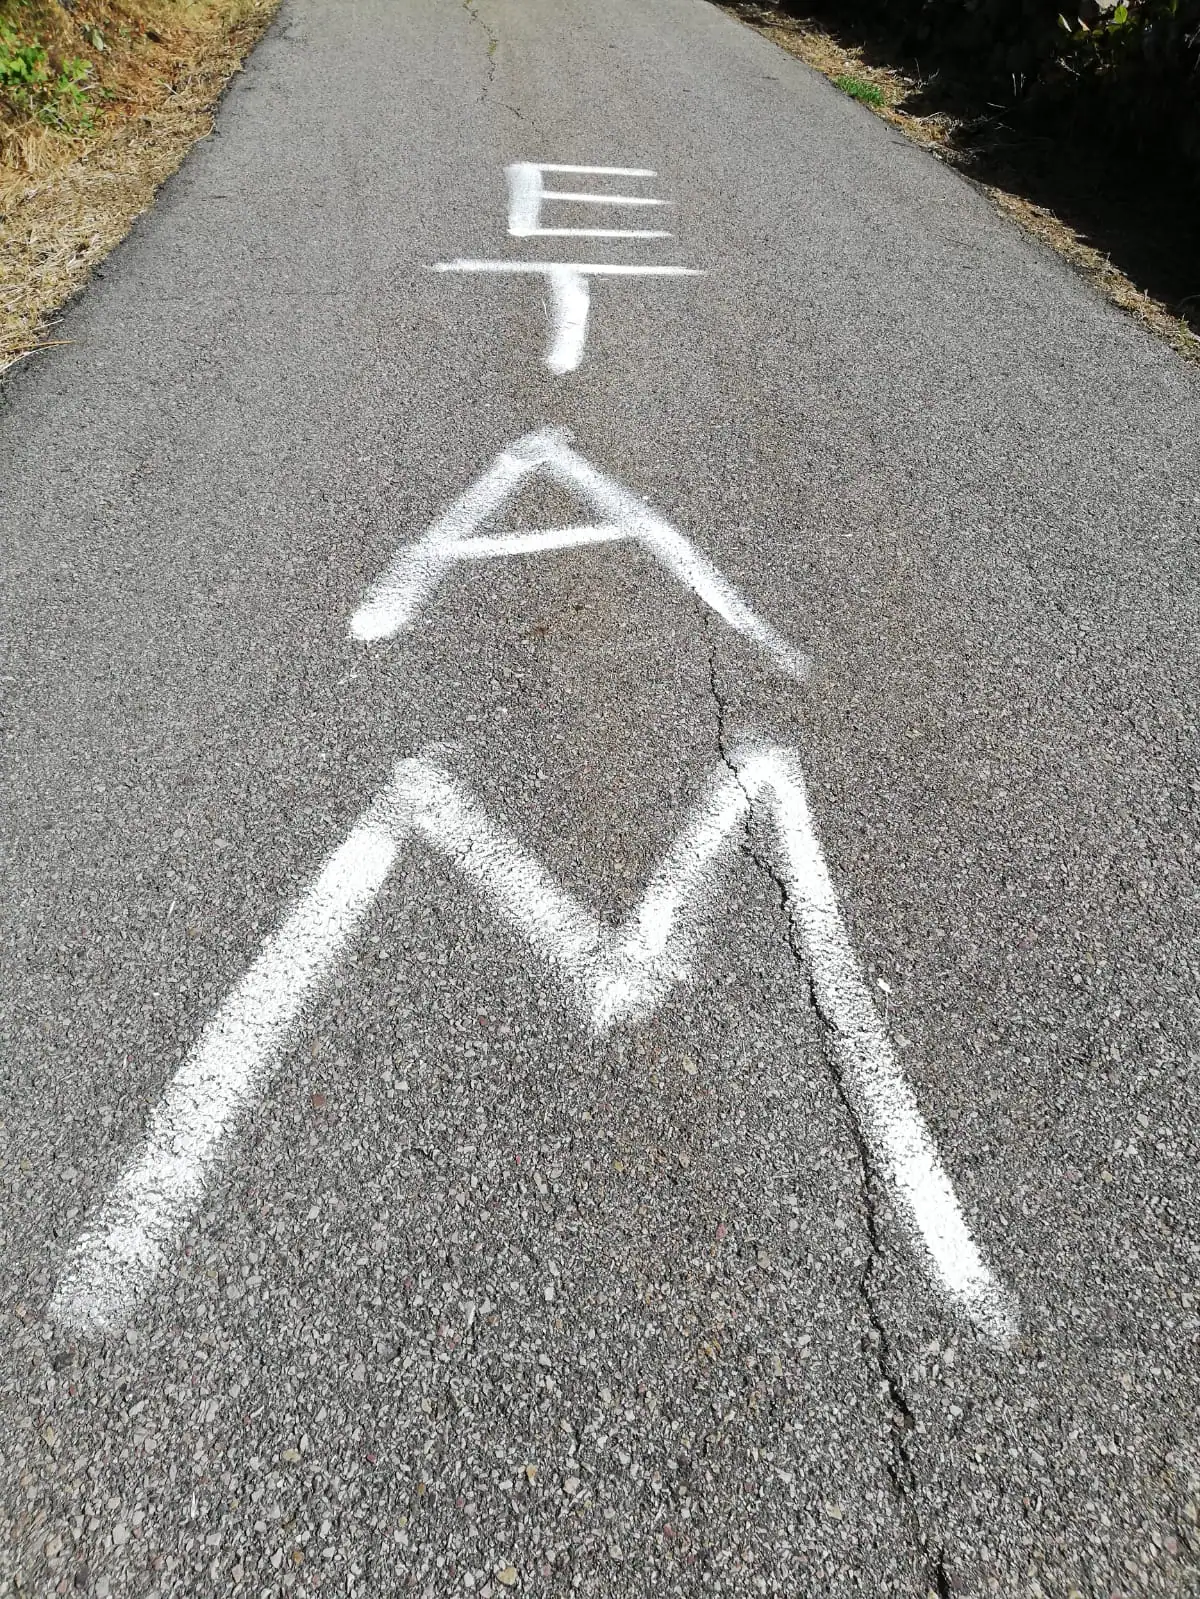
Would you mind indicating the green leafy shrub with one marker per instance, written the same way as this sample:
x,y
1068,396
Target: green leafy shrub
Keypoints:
x,y
1136,46
24,68
31,85
1125,72
1139,63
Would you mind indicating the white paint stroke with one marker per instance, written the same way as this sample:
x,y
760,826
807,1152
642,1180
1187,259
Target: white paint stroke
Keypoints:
x,y
611,172
616,975
395,600
228,1069
558,538
600,199
623,976
570,296
527,193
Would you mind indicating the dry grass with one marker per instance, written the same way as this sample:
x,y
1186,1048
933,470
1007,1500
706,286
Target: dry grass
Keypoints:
x,y
66,198
813,44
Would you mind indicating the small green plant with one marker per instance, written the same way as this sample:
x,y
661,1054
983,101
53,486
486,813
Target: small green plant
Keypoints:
x,y
23,67
69,107
1142,32
858,90
30,84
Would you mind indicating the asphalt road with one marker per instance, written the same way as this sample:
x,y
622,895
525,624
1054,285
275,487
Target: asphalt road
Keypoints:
x,y
478,1294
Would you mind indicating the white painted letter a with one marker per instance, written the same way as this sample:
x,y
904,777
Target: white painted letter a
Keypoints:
x,y
395,600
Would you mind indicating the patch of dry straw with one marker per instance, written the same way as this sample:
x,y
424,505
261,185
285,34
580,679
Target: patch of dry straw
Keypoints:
x,y
67,199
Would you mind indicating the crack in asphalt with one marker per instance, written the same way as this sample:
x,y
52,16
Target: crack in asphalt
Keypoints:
x,y
877,1346
471,7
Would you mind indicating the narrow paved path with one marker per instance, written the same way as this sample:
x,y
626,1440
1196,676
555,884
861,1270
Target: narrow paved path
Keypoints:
x,y
600,955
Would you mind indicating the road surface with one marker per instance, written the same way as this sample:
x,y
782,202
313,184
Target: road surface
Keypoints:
x,y
600,960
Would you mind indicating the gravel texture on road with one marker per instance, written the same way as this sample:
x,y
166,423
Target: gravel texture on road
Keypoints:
x,y
479,1301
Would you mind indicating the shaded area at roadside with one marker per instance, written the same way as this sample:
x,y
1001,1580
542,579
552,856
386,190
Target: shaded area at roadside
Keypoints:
x,y
1127,216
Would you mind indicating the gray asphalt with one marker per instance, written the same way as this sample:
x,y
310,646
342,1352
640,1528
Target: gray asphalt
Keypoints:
x,y
476,1302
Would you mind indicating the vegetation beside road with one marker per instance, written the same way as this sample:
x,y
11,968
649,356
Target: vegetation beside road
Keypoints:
x,y
1085,130
99,102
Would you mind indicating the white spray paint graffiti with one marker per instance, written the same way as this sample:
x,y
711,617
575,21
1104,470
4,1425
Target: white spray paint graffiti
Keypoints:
x,y
398,596
230,1064
570,296
615,975
569,281
526,195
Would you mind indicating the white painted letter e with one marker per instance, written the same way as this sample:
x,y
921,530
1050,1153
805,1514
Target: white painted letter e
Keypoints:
x,y
526,194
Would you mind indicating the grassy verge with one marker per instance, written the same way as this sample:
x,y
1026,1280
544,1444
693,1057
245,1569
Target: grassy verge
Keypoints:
x,y
1128,232
99,102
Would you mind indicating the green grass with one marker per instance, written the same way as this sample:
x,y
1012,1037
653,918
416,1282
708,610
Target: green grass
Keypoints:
x,y
858,90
